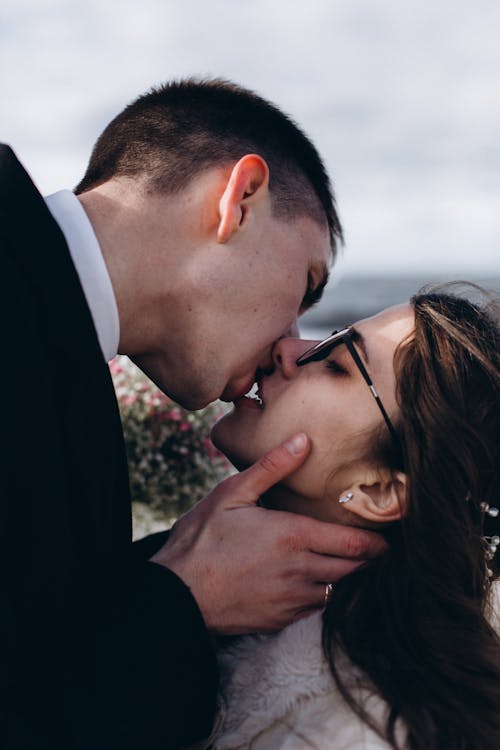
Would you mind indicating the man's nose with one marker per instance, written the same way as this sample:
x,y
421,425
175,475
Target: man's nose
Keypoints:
x,y
285,353
267,364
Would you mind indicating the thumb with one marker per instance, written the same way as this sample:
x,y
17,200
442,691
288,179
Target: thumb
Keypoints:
x,y
274,466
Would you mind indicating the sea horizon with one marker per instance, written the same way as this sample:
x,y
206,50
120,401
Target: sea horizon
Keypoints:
x,y
357,296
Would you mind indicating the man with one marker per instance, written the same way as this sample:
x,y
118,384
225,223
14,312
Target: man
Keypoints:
x,y
203,226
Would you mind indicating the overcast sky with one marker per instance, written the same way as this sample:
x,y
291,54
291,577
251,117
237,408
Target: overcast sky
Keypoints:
x,y
402,99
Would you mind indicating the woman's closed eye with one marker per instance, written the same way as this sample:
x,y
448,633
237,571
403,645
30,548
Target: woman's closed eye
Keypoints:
x,y
335,366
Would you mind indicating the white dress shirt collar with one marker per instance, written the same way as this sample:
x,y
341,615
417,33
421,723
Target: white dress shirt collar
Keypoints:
x,y
90,266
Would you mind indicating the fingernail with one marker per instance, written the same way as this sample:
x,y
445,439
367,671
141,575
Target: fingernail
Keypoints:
x,y
296,444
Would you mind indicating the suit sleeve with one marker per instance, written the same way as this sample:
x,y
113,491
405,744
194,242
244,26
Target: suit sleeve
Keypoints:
x,y
100,648
145,548
171,673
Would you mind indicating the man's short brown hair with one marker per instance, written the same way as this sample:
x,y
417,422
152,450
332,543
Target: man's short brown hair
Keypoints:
x,y
177,130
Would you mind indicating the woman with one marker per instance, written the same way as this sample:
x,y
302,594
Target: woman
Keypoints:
x,y
403,413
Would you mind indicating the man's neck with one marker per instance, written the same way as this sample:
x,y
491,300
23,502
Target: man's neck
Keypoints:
x,y
124,223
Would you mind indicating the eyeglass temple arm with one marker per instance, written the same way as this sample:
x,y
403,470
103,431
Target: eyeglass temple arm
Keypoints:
x,y
345,338
369,383
324,348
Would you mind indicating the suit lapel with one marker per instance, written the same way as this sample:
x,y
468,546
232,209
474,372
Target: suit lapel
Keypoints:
x,y
82,388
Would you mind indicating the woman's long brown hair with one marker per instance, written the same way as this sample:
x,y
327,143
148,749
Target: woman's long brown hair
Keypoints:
x,y
416,620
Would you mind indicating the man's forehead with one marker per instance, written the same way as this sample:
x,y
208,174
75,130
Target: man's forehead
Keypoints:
x,y
312,241
322,257
321,244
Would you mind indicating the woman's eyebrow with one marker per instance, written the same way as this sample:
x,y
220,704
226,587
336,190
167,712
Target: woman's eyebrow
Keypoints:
x,y
358,337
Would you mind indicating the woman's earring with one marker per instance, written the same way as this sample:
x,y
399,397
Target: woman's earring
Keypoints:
x,y
345,498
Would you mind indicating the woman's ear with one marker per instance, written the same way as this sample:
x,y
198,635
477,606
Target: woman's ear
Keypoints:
x,y
248,181
380,497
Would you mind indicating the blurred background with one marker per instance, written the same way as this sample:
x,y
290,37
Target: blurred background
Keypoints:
x,y
402,100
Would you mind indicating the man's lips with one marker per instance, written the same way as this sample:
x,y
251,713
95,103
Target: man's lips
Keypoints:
x,y
231,395
255,397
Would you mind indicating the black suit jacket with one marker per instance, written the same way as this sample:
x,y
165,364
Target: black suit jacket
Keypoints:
x,y
98,647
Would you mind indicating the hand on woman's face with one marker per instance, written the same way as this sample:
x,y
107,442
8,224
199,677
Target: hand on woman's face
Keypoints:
x,y
330,401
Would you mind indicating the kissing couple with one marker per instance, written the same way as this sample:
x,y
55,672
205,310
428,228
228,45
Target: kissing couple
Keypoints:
x,y
338,591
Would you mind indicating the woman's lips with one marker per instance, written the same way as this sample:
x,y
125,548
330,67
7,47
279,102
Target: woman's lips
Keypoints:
x,y
253,402
247,402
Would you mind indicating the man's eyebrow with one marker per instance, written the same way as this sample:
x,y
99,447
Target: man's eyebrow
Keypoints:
x,y
359,339
314,295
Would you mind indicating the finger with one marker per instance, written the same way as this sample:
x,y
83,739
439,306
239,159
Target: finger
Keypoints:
x,y
341,541
316,598
270,469
303,613
310,599
330,569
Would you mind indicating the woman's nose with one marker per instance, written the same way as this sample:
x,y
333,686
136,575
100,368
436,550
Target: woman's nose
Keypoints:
x,y
285,353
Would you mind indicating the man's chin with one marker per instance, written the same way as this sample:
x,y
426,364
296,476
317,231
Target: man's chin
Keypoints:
x,y
186,393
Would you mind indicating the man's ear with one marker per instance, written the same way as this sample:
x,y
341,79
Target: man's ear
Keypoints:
x,y
379,497
248,181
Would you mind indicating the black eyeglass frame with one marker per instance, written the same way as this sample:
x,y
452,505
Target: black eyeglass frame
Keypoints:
x,y
323,349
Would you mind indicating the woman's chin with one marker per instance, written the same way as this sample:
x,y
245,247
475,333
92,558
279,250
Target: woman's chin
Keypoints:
x,y
223,443
238,461
227,439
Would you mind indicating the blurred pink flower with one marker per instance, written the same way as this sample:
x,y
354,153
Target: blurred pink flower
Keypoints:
x,y
172,461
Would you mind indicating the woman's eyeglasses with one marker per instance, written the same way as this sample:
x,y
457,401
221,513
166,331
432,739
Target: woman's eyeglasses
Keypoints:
x,y
322,350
